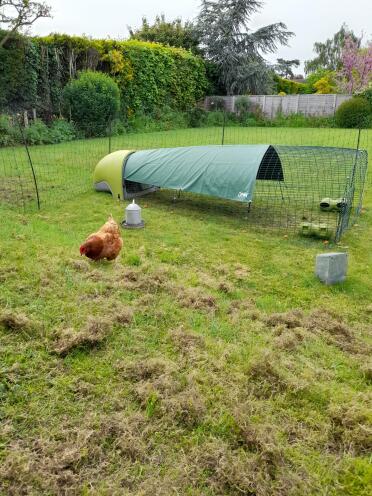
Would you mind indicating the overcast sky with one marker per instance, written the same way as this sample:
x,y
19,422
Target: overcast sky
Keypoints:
x,y
310,20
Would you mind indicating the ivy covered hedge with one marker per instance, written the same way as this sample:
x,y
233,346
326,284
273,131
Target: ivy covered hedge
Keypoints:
x,y
150,76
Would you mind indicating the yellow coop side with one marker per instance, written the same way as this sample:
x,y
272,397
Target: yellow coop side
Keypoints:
x,y
108,174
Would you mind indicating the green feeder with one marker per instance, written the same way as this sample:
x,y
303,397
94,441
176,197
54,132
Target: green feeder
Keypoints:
x,y
306,229
332,204
313,229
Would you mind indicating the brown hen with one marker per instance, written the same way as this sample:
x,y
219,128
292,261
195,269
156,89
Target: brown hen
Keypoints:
x,y
105,243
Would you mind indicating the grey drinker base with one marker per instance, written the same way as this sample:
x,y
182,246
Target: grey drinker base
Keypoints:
x,y
331,267
133,226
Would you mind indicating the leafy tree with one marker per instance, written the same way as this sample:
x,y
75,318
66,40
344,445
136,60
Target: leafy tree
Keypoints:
x,y
325,86
172,33
356,70
284,67
17,14
222,27
329,53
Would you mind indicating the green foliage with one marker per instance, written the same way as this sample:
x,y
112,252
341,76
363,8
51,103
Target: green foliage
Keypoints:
x,y
92,100
171,33
367,95
327,79
61,130
299,120
289,87
242,104
355,476
18,74
7,132
149,75
163,119
223,27
248,112
197,117
37,133
324,86
354,113
329,53
284,67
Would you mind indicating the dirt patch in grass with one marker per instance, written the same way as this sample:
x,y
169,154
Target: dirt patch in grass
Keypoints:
x,y
290,320
266,375
163,392
187,408
243,309
335,331
320,322
128,435
241,272
351,426
185,341
238,471
123,315
95,331
289,339
63,463
15,321
140,280
196,299
80,265
143,370
225,287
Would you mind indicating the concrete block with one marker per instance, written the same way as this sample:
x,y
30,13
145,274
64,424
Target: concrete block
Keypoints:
x,y
331,267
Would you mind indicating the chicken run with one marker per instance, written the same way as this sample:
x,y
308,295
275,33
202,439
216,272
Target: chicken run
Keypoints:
x,y
316,191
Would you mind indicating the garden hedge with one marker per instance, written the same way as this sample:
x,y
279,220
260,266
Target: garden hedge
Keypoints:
x,y
150,76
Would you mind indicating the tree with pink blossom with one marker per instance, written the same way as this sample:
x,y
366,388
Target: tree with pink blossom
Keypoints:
x,y
356,72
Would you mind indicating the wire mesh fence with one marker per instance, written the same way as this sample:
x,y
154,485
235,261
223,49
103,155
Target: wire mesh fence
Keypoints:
x,y
319,165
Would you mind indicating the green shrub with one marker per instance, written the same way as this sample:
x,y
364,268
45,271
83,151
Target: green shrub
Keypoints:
x,y
149,75
215,118
242,105
7,131
92,100
37,133
61,130
118,127
248,120
289,87
367,95
354,113
299,120
197,117
167,119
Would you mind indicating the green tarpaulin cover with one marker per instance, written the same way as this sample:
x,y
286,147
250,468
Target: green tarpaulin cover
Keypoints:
x,y
222,171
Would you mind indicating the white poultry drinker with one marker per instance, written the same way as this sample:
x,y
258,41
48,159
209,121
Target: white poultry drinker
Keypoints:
x,y
133,218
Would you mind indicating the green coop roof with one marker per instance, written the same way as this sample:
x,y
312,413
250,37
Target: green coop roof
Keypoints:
x,y
222,171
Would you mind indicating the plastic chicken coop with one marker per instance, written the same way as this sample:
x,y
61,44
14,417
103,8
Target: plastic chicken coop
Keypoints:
x,y
315,190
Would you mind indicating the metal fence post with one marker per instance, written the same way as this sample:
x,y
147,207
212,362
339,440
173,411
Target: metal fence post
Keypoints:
x,y
223,128
31,164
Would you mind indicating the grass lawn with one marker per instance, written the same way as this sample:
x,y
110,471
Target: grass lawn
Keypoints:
x,y
207,360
